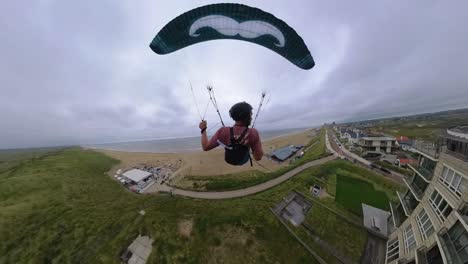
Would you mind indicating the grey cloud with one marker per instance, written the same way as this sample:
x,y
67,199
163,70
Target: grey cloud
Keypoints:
x,y
81,72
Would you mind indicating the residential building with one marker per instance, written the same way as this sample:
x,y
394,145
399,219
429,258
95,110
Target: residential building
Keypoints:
x,y
429,224
352,134
404,142
378,144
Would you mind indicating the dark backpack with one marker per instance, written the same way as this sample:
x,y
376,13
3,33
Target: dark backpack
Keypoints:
x,y
236,153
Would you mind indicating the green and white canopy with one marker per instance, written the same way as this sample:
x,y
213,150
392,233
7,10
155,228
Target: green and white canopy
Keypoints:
x,y
233,21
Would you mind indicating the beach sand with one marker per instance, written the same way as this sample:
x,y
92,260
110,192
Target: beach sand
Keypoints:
x,y
206,163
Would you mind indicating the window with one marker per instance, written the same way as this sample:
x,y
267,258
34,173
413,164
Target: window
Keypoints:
x,y
392,250
424,224
440,206
453,180
408,236
459,237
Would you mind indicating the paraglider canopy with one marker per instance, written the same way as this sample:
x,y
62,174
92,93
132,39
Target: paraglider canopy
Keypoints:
x,y
233,21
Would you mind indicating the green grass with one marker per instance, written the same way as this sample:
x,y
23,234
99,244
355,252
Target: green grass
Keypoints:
x,y
424,126
64,208
413,132
241,180
330,171
351,193
11,158
347,238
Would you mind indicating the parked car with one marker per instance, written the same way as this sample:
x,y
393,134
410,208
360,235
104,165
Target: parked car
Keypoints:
x,y
385,170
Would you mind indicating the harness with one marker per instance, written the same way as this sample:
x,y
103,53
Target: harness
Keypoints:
x,y
237,153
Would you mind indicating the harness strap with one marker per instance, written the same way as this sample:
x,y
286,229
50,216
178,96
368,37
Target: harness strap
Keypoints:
x,y
239,140
231,129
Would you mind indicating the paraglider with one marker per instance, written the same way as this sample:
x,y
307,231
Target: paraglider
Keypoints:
x,y
236,22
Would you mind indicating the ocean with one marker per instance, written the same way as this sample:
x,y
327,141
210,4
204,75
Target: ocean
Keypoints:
x,y
178,145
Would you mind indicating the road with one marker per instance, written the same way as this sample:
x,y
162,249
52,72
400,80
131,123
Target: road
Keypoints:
x,y
249,190
344,153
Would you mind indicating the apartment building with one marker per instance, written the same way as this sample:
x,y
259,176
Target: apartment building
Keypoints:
x,y
429,224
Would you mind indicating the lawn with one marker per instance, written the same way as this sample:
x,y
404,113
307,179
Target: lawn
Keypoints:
x,y
351,192
346,238
241,180
64,208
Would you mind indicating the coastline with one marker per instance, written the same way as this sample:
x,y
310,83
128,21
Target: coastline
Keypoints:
x,y
202,163
101,147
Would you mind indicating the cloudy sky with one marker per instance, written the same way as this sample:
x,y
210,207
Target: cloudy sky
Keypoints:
x,y
81,72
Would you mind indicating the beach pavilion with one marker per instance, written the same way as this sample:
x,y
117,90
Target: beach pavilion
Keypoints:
x,y
136,175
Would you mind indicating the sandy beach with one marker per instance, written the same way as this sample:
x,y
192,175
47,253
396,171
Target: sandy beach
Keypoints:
x,y
207,163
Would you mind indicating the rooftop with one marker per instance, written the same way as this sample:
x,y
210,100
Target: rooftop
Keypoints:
x,y
284,153
459,131
402,138
136,175
375,219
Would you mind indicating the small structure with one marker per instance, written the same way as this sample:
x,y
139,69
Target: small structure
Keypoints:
x,y
293,208
139,251
375,220
315,189
284,153
137,175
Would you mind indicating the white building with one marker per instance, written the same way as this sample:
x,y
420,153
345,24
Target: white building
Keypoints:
x,y
136,175
379,144
429,225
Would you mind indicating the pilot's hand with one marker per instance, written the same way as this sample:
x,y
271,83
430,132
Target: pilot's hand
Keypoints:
x,y
203,125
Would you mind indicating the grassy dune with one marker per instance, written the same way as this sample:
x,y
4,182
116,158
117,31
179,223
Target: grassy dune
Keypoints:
x,y
63,208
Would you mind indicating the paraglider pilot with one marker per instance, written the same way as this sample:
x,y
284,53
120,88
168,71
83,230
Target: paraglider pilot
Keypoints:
x,y
237,140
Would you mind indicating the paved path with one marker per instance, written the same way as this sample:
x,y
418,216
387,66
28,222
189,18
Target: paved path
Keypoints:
x,y
249,190
343,151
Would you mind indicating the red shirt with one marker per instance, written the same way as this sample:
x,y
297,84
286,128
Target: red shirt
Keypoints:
x,y
251,139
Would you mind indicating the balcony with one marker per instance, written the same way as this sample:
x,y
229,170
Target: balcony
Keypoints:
x,y
408,201
417,185
462,214
431,256
427,149
448,248
398,214
405,210
391,227
425,173
421,256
